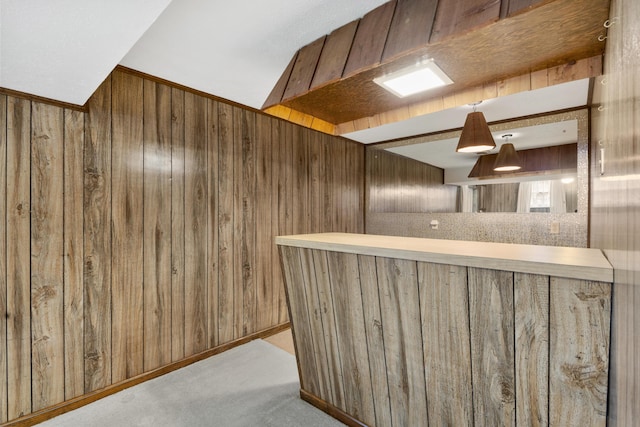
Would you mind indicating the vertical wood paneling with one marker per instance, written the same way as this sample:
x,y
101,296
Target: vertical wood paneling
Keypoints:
x,y
212,224
47,262
157,225
444,306
127,226
238,222
97,240
4,310
492,346
248,212
326,307
264,283
177,224
303,69
400,308
410,27
292,271
153,220
369,40
73,254
531,299
579,352
352,341
463,15
195,229
375,340
225,223
18,257
316,327
334,55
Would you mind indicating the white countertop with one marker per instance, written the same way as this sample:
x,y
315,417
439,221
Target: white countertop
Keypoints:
x,y
576,263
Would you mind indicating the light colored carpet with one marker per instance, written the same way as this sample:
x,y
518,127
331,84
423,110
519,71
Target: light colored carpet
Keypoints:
x,y
255,384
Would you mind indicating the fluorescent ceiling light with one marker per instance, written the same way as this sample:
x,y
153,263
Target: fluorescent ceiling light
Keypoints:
x,y
418,78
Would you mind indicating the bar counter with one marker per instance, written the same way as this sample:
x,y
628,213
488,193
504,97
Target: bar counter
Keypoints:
x,y
417,332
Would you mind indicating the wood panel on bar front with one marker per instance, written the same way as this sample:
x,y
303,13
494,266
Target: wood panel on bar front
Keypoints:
x,y
410,341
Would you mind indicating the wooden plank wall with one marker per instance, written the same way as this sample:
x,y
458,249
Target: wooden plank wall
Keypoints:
x,y
399,184
399,342
141,232
615,201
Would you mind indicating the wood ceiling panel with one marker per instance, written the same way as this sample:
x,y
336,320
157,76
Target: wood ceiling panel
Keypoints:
x,y
304,68
456,17
410,27
334,55
558,32
369,40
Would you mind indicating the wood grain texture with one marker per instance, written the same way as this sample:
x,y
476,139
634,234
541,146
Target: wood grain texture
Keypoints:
x,y
275,96
213,303
18,237
292,272
410,28
462,16
47,261
375,340
303,69
492,346
579,352
399,184
368,42
225,223
462,57
444,306
614,215
157,225
3,260
531,320
264,282
97,240
140,201
400,309
73,254
316,325
334,55
248,214
329,326
177,224
195,228
127,226
352,342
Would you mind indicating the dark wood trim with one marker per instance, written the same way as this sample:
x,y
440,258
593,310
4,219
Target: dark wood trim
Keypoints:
x,y
329,409
186,89
54,411
36,98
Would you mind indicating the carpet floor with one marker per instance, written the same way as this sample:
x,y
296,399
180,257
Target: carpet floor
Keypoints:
x,y
255,384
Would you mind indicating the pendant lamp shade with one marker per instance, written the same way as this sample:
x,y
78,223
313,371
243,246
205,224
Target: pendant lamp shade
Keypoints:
x,y
508,159
476,135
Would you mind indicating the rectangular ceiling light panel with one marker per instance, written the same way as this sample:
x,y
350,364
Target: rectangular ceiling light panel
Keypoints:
x,y
415,79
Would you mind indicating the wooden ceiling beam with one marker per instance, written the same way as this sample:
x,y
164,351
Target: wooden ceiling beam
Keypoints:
x,y
584,68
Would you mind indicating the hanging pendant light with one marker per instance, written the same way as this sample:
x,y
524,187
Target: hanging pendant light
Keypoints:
x,y
475,136
508,159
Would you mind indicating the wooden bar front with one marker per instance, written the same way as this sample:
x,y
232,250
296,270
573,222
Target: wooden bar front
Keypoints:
x,y
415,332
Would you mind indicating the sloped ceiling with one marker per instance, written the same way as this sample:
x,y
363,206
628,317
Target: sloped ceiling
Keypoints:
x,y
237,50
64,49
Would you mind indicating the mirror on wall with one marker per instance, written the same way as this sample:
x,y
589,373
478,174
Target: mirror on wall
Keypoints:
x,y
550,186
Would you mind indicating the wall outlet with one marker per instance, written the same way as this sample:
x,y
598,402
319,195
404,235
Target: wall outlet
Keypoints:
x,y
554,228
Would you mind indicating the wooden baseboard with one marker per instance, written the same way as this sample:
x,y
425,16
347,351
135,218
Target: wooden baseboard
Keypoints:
x,y
70,405
328,408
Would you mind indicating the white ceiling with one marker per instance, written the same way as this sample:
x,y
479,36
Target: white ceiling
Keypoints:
x,y
237,50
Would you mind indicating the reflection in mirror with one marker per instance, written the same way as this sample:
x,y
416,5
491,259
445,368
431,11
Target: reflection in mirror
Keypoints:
x,y
537,188
551,196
